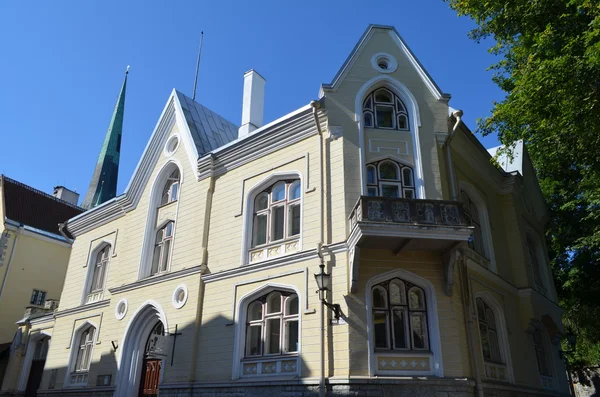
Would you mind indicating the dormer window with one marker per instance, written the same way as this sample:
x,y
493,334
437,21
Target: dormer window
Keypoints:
x,y
384,109
170,191
390,179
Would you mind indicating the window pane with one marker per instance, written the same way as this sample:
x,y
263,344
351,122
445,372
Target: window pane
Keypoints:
x,y
277,219
80,358
399,322
368,103
485,343
400,106
174,191
155,259
379,298
418,324
85,365
380,326
384,116
494,347
388,171
392,191
480,309
383,96
416,299
278,192
261,202
274,303
295,190
478,240
368,119
255,311
291,332
254,340
169,229
272,334
402,122
166,253
489,317
372,191
409,193
407,177
371,179
397,294
294,220
259,235
292,305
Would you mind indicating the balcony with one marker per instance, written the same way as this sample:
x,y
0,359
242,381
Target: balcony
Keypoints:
x,y
407,224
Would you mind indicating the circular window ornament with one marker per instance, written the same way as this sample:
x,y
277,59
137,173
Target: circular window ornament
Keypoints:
x,y
121,309
172,145
384,63
180,296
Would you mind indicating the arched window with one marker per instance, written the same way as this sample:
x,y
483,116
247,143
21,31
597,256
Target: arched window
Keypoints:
x,y
534,263
384,109
277,213
85,347
541,354
388,178
162,248
41,349
472,216
155,342
272,326
399,315
170,190
99,270
489,332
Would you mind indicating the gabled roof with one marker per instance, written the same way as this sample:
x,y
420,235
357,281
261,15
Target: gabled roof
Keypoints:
x,y
34,208
427,79
209,130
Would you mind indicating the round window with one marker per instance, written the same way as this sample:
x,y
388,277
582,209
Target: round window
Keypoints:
x,y
121,309
384,63
172,145
180,296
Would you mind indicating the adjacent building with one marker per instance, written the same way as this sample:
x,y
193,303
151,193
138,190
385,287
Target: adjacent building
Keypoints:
x,y
198,279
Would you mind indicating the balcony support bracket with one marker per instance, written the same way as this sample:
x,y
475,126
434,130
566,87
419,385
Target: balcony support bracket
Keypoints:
x,y
449,259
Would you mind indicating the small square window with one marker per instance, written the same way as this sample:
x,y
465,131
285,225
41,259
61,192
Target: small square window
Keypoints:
x,y
384,116
37,297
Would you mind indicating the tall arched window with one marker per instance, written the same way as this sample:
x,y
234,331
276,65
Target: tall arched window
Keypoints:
x,y
83,358
272,326
99,270
277,213
534,263
384,109
41,349
170,190
388,178
399,315
541,354
162,248
472,216
489,332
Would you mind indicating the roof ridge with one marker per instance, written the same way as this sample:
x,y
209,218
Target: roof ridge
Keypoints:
x,y
37,191
206,107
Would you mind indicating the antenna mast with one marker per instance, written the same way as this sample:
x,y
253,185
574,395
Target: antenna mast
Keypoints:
x,y
197,66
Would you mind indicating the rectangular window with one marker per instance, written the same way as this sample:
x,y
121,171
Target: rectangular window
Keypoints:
x,y
291,336
294,220
165,255
371,191
38,297
420,339
384,116
278,220
409,193
399,323
254,340
380,324
260,230
155,259
390,190
272,335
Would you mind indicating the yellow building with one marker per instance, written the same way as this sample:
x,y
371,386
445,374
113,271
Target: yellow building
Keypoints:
x,y
33,259
198,280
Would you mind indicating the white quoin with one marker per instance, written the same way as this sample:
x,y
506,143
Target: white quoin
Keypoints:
x,y
253,103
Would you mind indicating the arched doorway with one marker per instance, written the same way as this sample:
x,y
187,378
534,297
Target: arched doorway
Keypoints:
x,y
152,361
38,360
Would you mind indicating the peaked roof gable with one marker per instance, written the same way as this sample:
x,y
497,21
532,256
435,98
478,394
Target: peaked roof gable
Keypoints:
x,y
361,44
201,131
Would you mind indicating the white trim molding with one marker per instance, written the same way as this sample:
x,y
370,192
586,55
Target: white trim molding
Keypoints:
x,y
175,300
118,314
87,297
73,352
432,357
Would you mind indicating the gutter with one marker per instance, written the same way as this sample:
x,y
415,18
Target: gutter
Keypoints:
x,y
12,253
458,114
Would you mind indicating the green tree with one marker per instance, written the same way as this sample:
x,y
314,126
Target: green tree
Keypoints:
x,y
549,67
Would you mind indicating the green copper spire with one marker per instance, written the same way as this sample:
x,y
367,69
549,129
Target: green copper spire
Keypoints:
x,y
103,185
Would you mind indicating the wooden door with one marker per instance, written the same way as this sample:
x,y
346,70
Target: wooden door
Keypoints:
x,y
150,377
35,377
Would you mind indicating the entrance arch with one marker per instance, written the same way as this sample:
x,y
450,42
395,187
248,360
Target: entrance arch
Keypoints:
x,y
141,331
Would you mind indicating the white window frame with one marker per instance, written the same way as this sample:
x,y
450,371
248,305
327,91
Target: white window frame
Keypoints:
x,y
434,354
169,253
240,321
399,183
35,295
397,111
72,373
168,188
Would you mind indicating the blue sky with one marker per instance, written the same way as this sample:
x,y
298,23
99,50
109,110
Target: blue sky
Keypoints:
x,y
63,64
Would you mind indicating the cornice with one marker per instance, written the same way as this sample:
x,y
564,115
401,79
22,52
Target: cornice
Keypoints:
x,y
156,280
82,308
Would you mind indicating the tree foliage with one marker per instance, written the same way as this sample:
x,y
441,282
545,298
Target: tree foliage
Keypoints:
x,y
550,71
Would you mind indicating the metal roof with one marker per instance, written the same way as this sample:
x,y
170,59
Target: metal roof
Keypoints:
x,y
209,130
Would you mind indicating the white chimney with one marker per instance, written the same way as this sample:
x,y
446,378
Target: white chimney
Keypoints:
x,y
61,192
253,104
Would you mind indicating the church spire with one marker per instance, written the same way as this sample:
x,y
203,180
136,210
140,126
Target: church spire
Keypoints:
x,y
103,185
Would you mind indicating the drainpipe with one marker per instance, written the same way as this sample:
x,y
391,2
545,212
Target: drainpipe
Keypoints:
x,y
61,228
467,307
458,114
315,106
203,270
12,253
